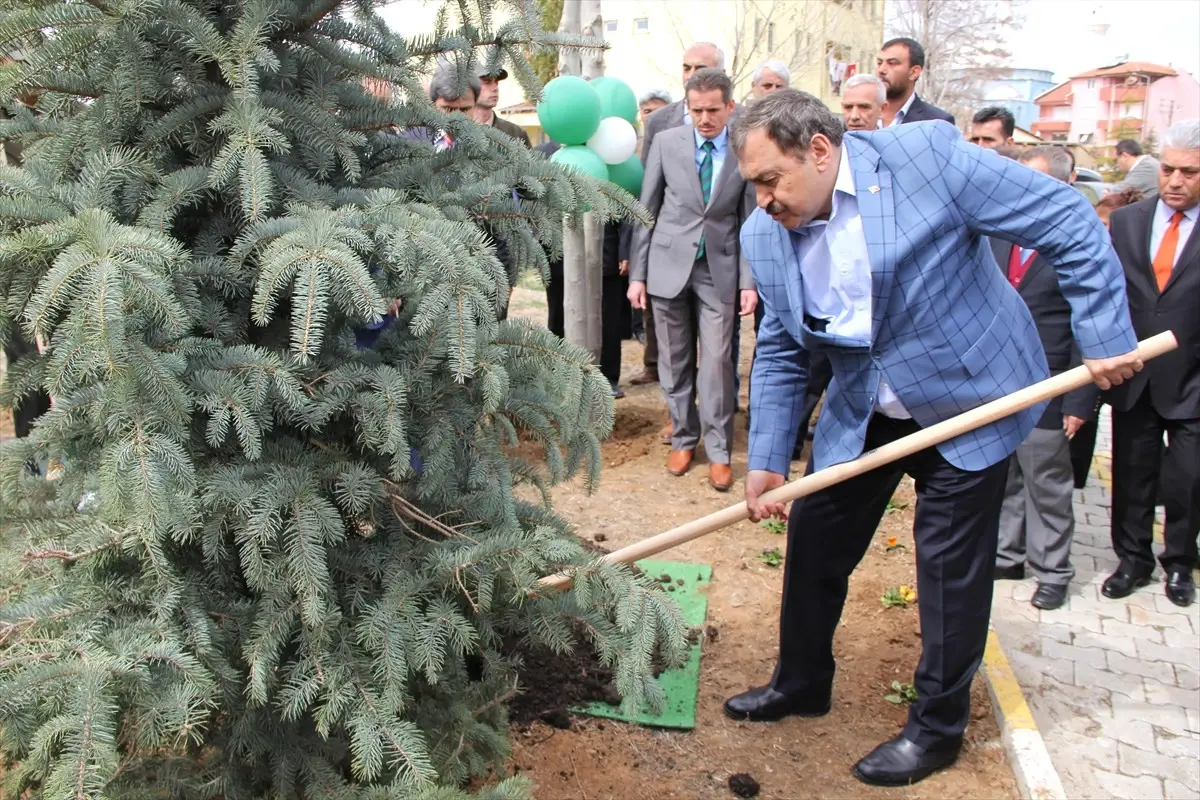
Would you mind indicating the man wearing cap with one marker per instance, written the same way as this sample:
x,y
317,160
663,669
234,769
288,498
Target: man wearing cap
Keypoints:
x,y
485,104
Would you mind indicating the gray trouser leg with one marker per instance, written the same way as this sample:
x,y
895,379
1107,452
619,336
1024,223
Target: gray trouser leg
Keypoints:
x,y
1044,460
675,328
1011,550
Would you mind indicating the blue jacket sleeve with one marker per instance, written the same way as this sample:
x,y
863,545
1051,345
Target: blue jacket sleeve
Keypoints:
x,y
779,378
999,197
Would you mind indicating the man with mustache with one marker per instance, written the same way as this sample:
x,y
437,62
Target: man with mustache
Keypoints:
x,y
1159,244
864,99
870,248
690,263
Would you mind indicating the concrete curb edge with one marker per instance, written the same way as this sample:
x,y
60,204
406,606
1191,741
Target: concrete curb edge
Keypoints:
x,y
1037,779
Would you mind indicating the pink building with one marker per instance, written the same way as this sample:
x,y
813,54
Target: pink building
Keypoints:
x,y
1133,100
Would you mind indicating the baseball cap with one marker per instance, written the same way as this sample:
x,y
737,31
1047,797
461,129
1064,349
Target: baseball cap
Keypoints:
x,y
500,73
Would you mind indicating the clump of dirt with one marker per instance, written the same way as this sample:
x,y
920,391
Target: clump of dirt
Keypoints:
x,y
551,683
743,785
634,434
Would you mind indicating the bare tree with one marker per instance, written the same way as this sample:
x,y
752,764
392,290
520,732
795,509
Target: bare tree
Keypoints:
x,y
964,43
582,243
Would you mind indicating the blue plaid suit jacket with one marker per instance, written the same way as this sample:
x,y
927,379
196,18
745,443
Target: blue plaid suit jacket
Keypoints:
x,y
949,331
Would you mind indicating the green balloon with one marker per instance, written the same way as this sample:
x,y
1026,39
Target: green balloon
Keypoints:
x,y
569,110
627,175
616,99
582,159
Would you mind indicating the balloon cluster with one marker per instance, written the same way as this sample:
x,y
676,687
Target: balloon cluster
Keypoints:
x,y
593,120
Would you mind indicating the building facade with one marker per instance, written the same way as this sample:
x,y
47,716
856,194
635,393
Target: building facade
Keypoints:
x,y
823,42
1132,100
1015,89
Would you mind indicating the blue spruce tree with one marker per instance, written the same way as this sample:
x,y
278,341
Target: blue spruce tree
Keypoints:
x,y
274,558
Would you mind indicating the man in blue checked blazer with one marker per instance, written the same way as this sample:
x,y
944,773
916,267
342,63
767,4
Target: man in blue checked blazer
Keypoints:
x,y
870,247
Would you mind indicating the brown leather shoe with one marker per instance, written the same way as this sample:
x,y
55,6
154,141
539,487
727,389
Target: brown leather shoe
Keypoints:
x,y
679,462
644,377
720,477
664,435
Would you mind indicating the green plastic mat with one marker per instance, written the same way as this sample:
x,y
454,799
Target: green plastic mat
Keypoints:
x,y
681,685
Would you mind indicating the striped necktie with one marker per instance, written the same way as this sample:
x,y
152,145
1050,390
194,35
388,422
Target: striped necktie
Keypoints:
x,y
706,176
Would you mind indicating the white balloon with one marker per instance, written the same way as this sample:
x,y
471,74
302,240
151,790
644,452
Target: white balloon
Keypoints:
x,y
614,141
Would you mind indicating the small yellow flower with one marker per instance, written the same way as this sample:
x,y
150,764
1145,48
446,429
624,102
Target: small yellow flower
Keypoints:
x,y
907,594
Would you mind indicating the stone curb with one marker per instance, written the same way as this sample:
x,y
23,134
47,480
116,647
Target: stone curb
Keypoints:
x,y
1037,779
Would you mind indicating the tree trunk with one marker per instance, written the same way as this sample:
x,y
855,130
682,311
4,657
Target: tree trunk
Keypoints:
x,y
592,26
577,299
583,245
593,229
569,61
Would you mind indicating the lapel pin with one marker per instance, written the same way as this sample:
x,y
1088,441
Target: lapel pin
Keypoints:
x,y
873,189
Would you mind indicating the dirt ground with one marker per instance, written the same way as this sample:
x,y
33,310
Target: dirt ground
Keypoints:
x,y
796,758
582,758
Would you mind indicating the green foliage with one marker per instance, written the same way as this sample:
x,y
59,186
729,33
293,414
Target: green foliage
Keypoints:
x,y
545,61
244,584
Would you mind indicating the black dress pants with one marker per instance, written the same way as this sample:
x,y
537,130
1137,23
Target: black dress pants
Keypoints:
x,y
554,300
32,406
956,527
615,321
1145,474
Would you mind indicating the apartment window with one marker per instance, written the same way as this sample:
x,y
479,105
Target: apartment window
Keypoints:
x,y
610,26
641,25
770,35
1091,83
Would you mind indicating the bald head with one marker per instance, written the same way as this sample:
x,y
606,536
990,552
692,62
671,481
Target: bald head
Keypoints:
x,y
702,55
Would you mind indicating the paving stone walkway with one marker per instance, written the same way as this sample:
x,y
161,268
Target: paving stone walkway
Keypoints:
x,y
1114,685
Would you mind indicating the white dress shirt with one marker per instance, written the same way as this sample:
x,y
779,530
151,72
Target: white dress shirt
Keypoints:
x,y
836,274
903,112
1162,219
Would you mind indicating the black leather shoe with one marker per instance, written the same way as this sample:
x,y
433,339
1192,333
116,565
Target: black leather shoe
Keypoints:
x,y
899,762
1181,589
1122,584
1050,596
1014,573
764,704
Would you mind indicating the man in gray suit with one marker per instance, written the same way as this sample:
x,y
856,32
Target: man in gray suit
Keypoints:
x,y
1037,519
1141,169
690,263
700,55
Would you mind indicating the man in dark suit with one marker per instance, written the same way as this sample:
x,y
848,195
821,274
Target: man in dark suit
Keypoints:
x,y
1037,519
1158,241
900,64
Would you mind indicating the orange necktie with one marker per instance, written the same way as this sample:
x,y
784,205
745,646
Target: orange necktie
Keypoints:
x,y
1164,259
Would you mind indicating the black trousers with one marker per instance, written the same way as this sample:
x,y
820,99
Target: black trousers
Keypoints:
x,y
32,406
1145,472
616,319
1083,447
957,522
554,300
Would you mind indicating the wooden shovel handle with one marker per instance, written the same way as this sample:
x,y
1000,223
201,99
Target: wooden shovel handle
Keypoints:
x,y
926,437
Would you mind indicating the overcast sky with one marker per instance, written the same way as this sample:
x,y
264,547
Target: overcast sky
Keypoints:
x,y
1055,35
